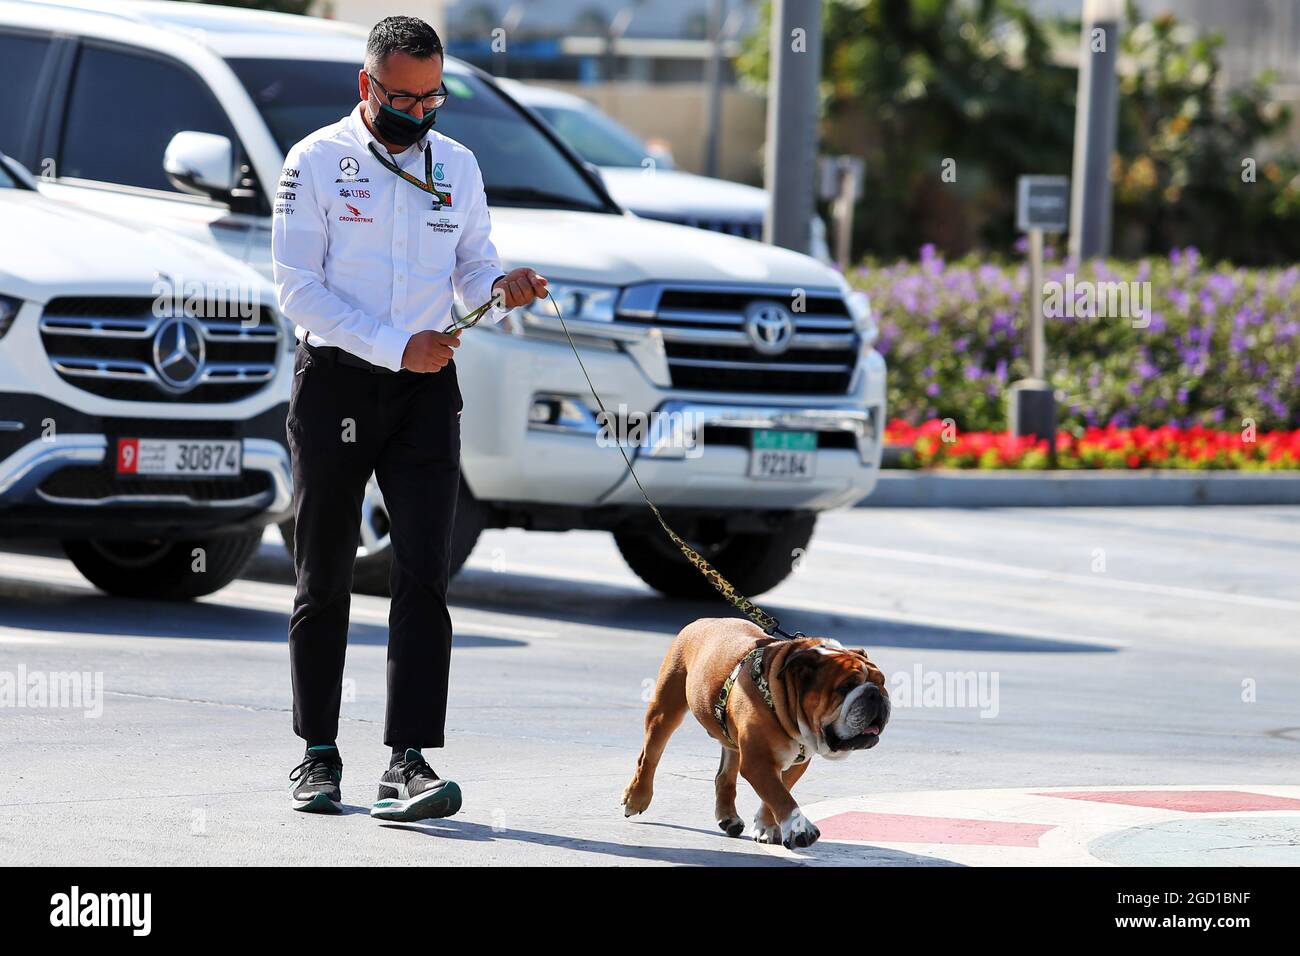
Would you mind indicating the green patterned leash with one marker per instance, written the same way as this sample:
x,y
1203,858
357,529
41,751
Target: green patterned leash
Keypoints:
x,y
767,622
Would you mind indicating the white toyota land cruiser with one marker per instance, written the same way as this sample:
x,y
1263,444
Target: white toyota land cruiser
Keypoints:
x,y
763,354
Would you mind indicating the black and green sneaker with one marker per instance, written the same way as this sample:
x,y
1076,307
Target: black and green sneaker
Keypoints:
x,y
316,782
411,791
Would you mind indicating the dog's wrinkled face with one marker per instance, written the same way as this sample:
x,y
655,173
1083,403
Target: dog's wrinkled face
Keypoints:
x,y
841,695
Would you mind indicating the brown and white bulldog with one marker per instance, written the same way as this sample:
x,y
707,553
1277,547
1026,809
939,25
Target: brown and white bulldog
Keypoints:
x,y
825,699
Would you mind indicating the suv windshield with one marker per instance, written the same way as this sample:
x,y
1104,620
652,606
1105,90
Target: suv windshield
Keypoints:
x,y
521,166
595,137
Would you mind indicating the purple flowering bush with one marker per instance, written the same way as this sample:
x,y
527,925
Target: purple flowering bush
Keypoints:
x,y
1220,345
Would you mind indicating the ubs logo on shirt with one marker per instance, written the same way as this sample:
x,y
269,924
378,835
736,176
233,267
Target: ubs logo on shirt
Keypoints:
x,y
356,215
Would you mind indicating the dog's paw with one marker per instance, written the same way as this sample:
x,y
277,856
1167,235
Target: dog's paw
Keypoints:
x,y
732,826
764,833
635,801
797,831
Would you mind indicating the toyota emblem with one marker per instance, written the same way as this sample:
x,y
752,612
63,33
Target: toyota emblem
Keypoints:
x,y
178,353
769,326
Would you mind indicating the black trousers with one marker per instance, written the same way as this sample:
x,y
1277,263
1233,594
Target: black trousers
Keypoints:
x,y
345,423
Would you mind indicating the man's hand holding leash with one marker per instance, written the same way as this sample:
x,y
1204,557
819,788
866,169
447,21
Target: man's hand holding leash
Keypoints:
x,y
518,287
430,351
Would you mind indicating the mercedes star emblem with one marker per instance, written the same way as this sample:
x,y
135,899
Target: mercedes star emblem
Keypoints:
x,y
178,353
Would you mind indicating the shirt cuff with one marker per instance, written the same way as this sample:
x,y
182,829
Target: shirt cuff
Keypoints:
x,y
389,347
502,311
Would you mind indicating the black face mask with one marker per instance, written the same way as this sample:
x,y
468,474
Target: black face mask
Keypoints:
x,y
401,129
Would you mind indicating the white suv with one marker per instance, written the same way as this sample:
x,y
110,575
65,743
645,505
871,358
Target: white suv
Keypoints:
x,y
764,354
144,381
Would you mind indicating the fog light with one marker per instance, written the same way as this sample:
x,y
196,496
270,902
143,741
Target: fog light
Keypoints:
x,y
561,413
543,412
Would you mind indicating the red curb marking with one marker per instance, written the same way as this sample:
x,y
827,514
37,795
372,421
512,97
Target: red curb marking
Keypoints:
x,y
1190,801
901,828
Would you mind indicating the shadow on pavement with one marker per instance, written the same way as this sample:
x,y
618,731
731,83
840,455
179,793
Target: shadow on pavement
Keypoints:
x,y
72,611
682,856
606,605
477,832
526,595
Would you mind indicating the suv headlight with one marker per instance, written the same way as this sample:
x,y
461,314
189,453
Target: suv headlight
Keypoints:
x,y
9,307
590,303
864,320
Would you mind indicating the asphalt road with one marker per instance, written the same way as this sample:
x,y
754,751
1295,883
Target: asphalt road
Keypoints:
x,y
1118,648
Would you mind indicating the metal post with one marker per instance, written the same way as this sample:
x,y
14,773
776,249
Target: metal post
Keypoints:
x,y
790,155
713,89
844,203
1037,338
1095,119
1031,402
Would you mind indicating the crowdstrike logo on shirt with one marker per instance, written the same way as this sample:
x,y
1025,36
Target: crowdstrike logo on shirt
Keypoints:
x,y
74,908
356,215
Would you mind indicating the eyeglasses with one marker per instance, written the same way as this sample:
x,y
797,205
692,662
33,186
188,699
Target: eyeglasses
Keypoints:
x,y
405,102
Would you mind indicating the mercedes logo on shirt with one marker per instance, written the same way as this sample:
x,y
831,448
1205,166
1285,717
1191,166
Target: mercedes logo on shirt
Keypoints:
x,y
349,166
769,326
178,353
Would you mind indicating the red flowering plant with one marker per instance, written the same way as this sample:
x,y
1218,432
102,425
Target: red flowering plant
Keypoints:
x,y
939,444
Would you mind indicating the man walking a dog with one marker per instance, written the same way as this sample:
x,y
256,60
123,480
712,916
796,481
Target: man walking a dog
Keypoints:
x,y
368,249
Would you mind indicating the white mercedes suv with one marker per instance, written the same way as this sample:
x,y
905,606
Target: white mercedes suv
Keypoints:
x,y
144,382
760,358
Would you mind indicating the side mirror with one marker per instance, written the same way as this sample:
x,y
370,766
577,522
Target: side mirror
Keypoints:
x,y
201,163
18,171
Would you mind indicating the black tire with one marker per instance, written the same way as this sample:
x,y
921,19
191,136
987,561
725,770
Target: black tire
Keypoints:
x,y
370,573
162,569
752,562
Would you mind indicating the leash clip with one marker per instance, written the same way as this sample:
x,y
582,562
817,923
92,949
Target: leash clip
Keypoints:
x,y
775,629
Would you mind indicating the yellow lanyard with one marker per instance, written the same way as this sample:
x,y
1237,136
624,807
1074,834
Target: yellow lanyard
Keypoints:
x,y
440,198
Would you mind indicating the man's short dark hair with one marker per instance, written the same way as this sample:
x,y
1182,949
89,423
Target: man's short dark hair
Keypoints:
x,y
409,35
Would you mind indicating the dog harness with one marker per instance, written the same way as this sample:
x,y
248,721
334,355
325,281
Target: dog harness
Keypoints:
x,y
755,661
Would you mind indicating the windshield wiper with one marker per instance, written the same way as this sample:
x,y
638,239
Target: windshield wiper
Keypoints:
x,y
532,196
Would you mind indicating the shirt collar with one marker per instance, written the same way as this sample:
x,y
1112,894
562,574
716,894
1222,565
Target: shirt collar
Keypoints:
x,y
363,134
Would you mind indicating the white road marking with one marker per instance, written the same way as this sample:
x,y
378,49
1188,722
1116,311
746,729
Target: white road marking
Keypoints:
x,y
1061,577
1070,825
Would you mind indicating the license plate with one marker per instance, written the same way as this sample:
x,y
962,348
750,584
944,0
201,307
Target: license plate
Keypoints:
x,y
180,457
782,455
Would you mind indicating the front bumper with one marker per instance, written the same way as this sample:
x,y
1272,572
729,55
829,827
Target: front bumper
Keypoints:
x,y
514,461
57,477
699,452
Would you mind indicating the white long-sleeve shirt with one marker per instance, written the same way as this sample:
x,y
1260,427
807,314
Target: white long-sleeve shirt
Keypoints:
x,y
364,259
